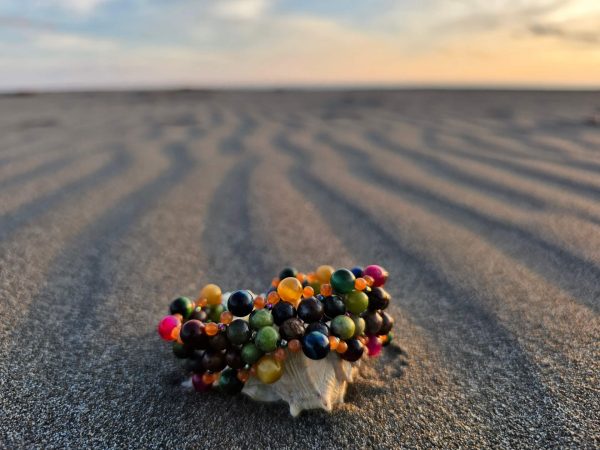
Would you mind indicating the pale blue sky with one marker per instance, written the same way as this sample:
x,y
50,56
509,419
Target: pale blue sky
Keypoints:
x,y
121,43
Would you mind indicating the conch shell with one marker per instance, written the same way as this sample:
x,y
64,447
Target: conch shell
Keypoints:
x,y
306,383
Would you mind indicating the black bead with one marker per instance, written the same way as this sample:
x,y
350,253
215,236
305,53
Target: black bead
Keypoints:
x,y
310,310
378,298
214,361
219,341
240,303
238,332
333,306
199,314
283,311
194,362
292,329
192,334
233,358
182,350
315,345
183,306
373,323
317,326
288,272
388,323
355,350
229,382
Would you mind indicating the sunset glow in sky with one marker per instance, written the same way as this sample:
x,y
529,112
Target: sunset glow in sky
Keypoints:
x,y
169,43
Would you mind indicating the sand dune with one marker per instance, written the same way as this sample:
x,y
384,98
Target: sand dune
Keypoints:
x,y
484,206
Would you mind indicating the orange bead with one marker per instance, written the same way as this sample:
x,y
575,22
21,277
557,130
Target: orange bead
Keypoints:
x,y
311,277
360,284
243,375
275,282
333,342
308,292
259,302
202,302
279,354
175,332
369,279
294,345
342,347
273,298
326,290
208,378
253,370
301,277
226,317
211,329
383,339
179,317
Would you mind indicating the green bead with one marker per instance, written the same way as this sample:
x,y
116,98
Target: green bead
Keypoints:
x,y
390,338
215,313
357,302
266,339
261,318
183,306
359,325
251,353
342,281
229,382
343,327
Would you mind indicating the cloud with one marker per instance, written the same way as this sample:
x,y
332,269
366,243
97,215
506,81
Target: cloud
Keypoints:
x,y
79,7
587,37
66,42
241,9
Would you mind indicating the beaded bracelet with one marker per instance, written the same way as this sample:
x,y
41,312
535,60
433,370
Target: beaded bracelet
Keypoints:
x,y
228,338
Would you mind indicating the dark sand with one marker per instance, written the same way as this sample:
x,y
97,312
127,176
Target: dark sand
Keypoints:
x,y
485,208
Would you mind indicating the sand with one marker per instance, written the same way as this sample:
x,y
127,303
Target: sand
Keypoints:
x,y
484,207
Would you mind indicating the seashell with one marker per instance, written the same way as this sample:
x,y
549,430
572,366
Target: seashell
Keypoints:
x,y
306,383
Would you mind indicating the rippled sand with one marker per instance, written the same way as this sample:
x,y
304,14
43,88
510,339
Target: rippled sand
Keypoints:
x,y
484,206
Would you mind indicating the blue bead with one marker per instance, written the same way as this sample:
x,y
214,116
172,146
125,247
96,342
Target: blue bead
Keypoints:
x,y
315,345
357,271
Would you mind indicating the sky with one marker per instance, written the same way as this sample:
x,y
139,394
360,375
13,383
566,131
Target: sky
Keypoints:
x,y
81,44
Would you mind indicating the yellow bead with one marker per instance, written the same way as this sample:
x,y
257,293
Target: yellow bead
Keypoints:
x,y
268,369
290,289
324,273
212,294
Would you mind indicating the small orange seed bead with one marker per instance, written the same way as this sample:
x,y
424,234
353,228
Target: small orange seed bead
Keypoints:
x,y
333,342
360,284
179,317
294,345
342,347
369,279
275,282
202,302
209,378
308,292
326,289
279,354
175,332
301,277
226,317
273,298
211,329
259,302
243,375
253,370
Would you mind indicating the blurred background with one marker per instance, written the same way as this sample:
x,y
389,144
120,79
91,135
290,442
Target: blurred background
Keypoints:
x,y
83,44
148,147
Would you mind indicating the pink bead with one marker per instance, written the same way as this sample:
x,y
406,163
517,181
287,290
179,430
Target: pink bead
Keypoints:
x,y
199,385
378,273
374,346
166,326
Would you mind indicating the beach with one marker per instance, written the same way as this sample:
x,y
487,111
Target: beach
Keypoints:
x,y
484,206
